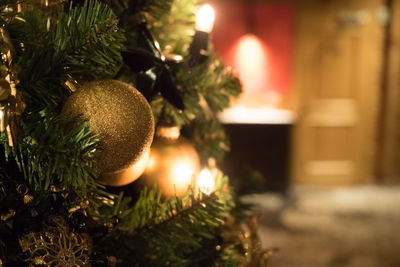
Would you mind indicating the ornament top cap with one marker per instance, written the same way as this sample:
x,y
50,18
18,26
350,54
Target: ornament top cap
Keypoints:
x,y
168,132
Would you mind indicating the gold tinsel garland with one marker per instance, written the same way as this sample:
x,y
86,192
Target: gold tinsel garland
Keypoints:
x,y
11,105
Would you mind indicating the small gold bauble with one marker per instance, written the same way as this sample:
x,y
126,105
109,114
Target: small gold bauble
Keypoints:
x,y
124,121
173,163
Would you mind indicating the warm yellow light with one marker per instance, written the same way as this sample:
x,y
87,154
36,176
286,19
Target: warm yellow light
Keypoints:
x,y
182,174
151,163
252,64
173,163
205,18
178,58
1,114
250,49
205,182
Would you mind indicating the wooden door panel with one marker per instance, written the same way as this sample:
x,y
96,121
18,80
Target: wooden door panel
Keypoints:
x,y
337,77
339,57
337,143
334,112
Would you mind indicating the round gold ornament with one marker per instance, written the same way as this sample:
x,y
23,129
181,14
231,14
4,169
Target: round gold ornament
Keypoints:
x,y
173,162
123,119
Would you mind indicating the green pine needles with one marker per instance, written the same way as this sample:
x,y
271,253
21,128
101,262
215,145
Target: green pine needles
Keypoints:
x,y
169,232
48,178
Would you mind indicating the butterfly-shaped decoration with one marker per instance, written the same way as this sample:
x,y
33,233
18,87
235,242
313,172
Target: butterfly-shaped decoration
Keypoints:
x,y
153,68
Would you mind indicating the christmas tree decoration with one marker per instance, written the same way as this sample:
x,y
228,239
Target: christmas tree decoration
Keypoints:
x,y
57,245
205,182
84,130
8,215
205,19
5,47
154,73
173,162
12,105
198,50
22,189
123,119
244,236
6,52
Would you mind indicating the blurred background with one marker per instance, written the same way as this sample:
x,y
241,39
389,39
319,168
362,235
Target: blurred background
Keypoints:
x,y
316,133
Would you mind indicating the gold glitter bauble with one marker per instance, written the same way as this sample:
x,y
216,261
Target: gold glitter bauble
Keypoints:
x,y
123,119
173,163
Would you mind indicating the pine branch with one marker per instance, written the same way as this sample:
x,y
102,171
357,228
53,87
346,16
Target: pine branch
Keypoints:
x,y
134,7
49,156
207,90
168,233
214,81
88,41
209,138
5,14
84,43
175,216
174,29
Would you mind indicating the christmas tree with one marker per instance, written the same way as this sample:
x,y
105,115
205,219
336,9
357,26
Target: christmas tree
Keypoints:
x,y
84,87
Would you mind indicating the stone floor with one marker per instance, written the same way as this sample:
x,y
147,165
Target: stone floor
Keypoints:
x,y
344,227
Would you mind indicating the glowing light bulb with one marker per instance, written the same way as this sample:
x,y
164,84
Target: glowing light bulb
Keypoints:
x,y
205,182
205,19
177,57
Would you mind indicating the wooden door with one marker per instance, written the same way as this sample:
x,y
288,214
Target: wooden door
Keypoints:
x,y
338,76
388,167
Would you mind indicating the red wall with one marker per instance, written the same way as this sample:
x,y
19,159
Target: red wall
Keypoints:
x,y
272,23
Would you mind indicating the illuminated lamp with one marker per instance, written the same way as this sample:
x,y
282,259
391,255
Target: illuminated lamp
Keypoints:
x,y
251,62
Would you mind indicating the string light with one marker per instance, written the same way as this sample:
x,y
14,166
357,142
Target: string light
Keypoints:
x,y
198,50
205,19
205,182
